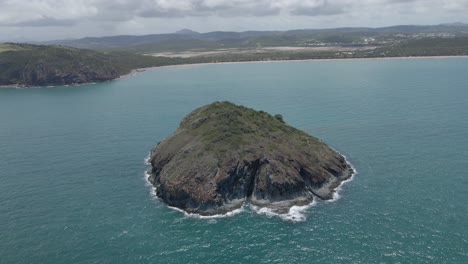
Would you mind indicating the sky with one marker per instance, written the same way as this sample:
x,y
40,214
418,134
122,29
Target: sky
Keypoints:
x,y
38,20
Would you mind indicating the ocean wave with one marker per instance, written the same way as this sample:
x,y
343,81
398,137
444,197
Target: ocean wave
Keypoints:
x,y
154,196
198,216
149,184
295,213
147,159
336,194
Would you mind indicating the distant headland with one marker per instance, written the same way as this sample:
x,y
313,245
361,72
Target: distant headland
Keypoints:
x,y
98,59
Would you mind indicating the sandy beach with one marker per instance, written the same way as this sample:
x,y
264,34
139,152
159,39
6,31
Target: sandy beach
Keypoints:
x,y
136,71
140,70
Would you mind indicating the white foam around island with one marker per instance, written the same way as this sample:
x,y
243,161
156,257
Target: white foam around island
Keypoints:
x,y
147,159
228,214
148,183
295,213
154,196
336,194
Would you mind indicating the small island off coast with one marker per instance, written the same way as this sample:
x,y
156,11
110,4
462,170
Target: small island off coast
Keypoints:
x,y
224,155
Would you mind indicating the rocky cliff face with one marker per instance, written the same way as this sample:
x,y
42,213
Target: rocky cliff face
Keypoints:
x,y
32,65
37,65
42,74
223,154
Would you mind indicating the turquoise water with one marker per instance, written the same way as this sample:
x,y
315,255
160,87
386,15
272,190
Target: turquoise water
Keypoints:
x,y
72,187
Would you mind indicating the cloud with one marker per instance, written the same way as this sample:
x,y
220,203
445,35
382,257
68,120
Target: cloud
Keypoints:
x,y
46,13
320,8
241,8
26,12
196,8
43,22
48,19
34,13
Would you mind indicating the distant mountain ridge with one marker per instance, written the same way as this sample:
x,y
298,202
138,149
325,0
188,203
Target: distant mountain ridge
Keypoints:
x,y
186,31
122,41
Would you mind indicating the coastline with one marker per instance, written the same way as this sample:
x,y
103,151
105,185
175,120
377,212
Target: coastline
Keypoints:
x,y
295,213
348,178
135,72
189,65
23,87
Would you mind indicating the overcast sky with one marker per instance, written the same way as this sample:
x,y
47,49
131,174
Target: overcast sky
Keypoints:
x,y
59,19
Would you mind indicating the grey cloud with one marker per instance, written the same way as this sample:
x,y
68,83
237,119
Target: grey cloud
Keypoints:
x,y
208,8
224,8
325,8
42,22
63,13
237,8
155,12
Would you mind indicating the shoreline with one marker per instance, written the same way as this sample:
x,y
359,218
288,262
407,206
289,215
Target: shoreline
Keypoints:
x,y
189,65
140,70
135,72
23,87
336,196
294,213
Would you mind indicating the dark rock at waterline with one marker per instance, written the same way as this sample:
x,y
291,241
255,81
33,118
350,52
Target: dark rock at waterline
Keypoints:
x,y
223,154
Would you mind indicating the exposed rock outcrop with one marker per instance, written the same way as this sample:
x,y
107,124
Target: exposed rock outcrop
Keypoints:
x,y
223,154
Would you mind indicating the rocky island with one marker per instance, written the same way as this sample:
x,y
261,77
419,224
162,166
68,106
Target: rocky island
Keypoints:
x,y
223,155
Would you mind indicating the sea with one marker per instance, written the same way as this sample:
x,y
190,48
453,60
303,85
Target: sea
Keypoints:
x,y
72,166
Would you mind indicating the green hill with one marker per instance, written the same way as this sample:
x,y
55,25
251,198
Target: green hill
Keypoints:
x,y
38,65
428,47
